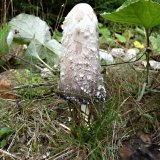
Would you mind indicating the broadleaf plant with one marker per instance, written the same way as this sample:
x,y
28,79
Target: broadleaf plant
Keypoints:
x,y
27,27
34,32
138,12
4,133
4,47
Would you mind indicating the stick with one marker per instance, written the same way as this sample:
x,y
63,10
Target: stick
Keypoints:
x,y
10,154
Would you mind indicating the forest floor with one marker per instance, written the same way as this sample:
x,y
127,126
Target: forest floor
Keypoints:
x,y
35,123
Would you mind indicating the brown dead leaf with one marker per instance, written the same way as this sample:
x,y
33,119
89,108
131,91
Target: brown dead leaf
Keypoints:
x,y
145,138
139,147
8,96
125,153
5,84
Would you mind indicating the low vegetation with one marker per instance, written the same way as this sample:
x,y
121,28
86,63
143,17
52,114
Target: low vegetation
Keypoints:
x,y
36,124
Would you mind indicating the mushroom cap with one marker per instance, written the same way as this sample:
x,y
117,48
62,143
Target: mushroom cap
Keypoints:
x,y
80,69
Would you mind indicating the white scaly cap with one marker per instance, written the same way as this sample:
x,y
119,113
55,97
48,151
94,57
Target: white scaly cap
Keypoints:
x,y
80,70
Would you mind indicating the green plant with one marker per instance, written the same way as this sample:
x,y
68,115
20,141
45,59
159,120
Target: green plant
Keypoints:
x,y
105,36
138,12
34,32
4,133
5,41
94,138
4,48
155,41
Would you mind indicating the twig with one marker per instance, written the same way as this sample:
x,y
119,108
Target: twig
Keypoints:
x,y
14,138
34,65
9,154
114,64
62,154
64,126
32,85
12,142
19,58
5,12
60,15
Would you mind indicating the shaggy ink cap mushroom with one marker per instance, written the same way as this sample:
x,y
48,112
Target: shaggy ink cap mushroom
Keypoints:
x,y
80,69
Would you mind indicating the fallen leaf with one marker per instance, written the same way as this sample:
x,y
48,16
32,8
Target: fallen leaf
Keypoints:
x,y
8,96
125,153
145,138
5,84
139,147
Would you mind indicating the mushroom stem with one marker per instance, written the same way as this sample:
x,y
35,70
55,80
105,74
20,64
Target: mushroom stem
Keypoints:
x,y
85,113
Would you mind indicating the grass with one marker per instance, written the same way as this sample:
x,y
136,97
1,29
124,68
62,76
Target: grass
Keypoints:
x,y
41,124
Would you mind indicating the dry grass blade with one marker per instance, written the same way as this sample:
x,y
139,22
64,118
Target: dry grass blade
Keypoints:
x,y
10,155
63,154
